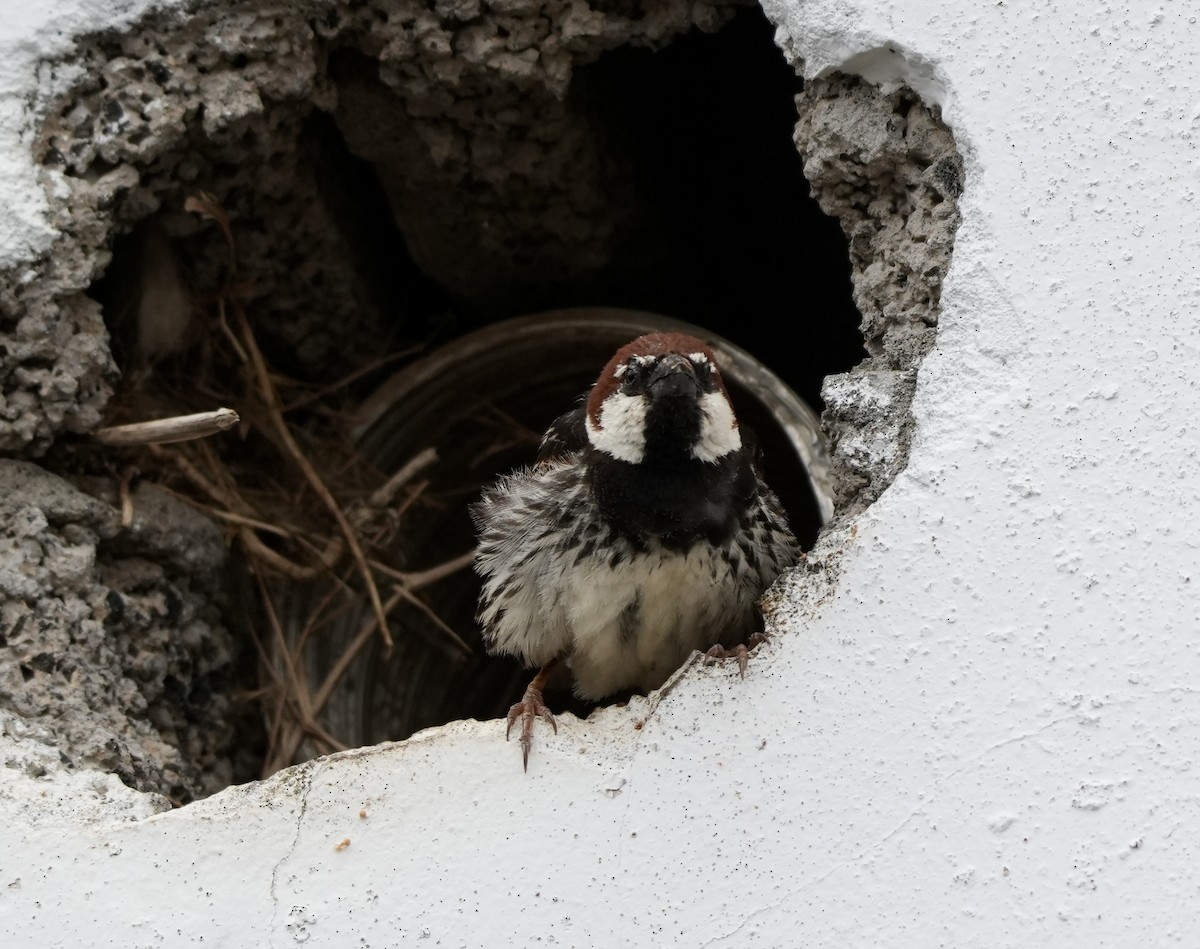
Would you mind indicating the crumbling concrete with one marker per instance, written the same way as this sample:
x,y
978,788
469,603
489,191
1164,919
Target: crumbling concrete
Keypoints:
x,y
886,166
111,647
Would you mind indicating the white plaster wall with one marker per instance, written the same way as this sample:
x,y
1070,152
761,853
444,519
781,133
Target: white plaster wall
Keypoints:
x,y
987,734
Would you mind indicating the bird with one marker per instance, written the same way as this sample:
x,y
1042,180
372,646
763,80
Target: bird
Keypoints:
x,y
642,531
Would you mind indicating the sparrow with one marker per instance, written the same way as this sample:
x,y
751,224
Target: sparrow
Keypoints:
x,y
642,532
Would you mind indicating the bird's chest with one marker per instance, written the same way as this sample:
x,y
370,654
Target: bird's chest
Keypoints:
x,y
633,622
681,503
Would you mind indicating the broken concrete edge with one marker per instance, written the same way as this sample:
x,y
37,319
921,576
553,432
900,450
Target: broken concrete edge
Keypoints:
x,y
38,790
120,131
31,42
887,168
868,415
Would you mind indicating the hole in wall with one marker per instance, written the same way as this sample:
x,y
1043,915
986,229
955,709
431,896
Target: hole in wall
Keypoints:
x,y
381,197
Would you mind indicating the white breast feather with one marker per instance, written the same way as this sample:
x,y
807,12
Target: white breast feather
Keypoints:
x,y
684,602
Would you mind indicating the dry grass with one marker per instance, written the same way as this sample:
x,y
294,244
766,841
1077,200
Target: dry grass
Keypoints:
x,y
260,480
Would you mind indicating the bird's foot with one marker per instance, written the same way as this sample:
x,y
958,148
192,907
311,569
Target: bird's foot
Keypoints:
x,y
528,710
740,652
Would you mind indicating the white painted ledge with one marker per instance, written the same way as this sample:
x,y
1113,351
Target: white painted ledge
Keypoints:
x,y
985,735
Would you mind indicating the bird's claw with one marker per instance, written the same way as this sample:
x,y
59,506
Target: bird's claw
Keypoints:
x,y
528,710
740,652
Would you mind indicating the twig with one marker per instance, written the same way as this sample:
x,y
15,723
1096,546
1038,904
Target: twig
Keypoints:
x,y
233,518
513,433
270,396
414,581
437,620
363,512
414,493
164,431
382,497
223,325
206,205
423,578
361,638
224,478
289,568
316,617
385,527
260,694
297,692
402,591
346,380
288,745
231,501
296,685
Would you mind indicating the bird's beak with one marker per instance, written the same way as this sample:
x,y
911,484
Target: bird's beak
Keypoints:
x,y
674,375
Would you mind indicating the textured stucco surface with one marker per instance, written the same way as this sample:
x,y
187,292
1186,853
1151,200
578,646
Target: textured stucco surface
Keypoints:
x,y
979,723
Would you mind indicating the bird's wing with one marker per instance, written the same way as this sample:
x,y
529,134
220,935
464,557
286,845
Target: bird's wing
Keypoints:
x,y
525,545
565,435
750,446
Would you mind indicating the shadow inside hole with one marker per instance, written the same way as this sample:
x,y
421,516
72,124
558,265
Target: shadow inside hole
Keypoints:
x,y
728,235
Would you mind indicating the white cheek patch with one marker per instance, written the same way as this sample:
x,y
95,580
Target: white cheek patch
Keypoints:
x,y
719,433
622,429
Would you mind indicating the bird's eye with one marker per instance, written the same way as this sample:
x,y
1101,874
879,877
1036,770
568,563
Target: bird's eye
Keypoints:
x,y
633,374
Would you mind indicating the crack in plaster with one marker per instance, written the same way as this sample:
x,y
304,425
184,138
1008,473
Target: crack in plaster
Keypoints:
x,y
1011,740
308,776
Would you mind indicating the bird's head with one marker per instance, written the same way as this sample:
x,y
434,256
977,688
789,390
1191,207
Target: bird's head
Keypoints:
x,y
661,398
